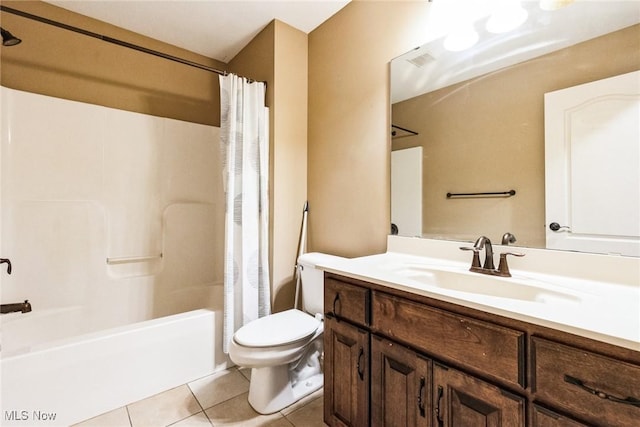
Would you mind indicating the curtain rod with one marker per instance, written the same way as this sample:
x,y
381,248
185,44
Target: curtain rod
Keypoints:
x,y
113,41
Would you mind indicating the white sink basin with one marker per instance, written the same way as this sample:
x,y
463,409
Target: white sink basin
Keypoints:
x,y
481,284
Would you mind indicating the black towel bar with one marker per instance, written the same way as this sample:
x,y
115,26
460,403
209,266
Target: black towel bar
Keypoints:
x,y
494,194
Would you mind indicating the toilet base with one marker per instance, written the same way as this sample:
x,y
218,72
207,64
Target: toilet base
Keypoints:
x,y
271,388
275,387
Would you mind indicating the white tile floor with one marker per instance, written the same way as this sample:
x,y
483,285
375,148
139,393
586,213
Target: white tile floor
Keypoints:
x,y
219,399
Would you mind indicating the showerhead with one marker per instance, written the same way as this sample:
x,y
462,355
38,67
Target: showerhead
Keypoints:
x,y
9,39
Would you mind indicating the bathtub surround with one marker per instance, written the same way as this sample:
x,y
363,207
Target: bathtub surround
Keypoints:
x,y
244,141
116,216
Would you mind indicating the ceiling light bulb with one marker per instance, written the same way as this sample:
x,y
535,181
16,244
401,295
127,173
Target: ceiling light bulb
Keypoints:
x,y
507,17
461,39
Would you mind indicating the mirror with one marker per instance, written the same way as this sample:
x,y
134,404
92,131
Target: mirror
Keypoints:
x,y
479,112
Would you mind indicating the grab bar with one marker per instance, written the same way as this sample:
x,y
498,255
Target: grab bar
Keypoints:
x,y
127,260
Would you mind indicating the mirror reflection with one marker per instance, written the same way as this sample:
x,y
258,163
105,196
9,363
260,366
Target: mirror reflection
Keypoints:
x,y
472,117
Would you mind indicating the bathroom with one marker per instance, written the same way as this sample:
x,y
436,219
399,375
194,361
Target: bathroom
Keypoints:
x,y
313,79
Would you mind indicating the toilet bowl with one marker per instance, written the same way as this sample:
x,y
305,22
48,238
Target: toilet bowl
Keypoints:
x,y
284,350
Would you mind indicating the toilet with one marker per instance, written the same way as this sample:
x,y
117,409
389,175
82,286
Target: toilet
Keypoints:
x,y
284,350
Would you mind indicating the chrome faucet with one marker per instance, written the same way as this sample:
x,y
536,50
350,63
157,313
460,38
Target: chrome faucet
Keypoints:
x,y
23,307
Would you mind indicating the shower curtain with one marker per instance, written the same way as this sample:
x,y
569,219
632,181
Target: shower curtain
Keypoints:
x,y
244,134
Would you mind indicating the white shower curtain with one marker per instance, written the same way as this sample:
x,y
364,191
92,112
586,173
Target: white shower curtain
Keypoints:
x,y
244,134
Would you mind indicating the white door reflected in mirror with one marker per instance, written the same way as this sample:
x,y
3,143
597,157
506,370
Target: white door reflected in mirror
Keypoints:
x,y
406,191
592,159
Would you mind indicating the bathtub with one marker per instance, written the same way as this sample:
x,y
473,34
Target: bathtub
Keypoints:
x,y
73,379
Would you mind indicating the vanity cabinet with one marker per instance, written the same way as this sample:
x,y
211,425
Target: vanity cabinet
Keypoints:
x,y
394,358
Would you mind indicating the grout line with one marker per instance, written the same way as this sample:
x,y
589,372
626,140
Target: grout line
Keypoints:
x,y
194,396
126,408
196,413
227,398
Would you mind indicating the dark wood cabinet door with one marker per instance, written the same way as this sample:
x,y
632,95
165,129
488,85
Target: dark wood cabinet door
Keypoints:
x,y
400,386
346,390
460,400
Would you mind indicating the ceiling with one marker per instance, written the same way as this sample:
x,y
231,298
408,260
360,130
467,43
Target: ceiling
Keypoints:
x,y
213,28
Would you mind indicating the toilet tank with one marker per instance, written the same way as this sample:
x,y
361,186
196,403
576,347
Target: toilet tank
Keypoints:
x,y
312,281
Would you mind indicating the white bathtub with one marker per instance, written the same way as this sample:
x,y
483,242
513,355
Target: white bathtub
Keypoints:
x,y
70,380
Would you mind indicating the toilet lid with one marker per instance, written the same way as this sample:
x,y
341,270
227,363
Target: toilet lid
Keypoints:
x,y
277,329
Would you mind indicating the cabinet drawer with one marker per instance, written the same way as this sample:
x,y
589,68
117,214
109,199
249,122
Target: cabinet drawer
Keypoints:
x,y
347,301
603,390
491,349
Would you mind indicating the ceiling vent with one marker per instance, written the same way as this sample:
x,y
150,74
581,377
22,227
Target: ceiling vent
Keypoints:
x,y
422,59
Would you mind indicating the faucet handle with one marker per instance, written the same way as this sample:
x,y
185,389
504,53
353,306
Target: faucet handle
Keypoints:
x,y
503,267
475,264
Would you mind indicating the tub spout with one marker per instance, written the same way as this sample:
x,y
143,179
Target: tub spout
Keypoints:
x,y
23,307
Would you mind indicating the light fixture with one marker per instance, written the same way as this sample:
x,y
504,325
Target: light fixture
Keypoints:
x,y
554,4
461,38
9,39
508,16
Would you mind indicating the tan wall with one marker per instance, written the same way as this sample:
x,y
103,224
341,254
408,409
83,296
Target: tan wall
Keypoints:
x,y
487,134
289,157
57,62
278,55
349,125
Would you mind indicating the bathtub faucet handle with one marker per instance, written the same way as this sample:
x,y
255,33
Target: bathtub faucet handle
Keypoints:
x,y
8,262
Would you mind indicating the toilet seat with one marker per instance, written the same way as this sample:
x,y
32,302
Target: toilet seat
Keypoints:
x,y
277,329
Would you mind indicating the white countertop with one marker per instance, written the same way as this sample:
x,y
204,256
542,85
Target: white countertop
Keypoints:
x,y
605,310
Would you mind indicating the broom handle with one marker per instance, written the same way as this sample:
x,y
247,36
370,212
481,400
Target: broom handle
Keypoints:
x,y
301,249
